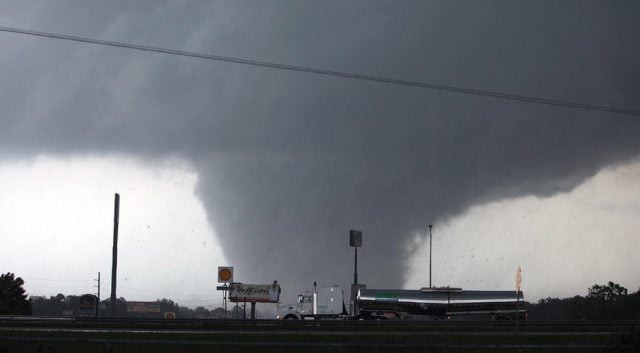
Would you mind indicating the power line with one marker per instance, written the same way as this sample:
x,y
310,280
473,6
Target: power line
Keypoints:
x,y
57,280
380,79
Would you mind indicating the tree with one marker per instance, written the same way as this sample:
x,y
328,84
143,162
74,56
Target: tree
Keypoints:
x,y
608,301
202,312
13,298
610,292
121,307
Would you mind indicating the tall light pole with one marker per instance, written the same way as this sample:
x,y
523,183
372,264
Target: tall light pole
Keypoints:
x,y
114,257
355,241
430,226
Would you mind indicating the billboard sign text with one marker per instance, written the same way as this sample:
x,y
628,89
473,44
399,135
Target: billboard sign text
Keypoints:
x,y
258,293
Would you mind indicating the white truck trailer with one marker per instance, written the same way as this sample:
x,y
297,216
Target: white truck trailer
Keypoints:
x,y
386,304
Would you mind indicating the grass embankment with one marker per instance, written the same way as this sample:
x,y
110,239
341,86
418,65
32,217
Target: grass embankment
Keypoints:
x,y
265,336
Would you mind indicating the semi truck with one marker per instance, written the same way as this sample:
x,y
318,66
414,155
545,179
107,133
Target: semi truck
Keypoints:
x,y
323,303
398,304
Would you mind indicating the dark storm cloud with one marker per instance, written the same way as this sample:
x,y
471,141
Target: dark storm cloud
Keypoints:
x,y
288,162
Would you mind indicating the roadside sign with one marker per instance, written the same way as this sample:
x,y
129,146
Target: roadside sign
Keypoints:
x,y
225,274
258,293
87,305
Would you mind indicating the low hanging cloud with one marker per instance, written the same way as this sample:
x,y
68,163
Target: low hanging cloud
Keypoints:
x,y
564,243
288,162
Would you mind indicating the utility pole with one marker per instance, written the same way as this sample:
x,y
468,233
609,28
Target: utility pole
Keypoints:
x,y
98,295
114,259
430,226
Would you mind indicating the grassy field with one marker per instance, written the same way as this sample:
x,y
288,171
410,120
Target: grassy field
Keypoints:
x,y
315,336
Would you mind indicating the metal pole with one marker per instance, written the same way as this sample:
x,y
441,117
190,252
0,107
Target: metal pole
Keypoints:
x,y
224,300
253,310
114,259
517,309
430,226
314,309
355,267
98,303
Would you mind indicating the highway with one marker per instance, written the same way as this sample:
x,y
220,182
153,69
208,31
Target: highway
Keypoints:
x,y
19,334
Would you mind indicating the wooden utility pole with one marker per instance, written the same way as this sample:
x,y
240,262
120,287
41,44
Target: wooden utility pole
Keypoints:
x,y
98,295
114,258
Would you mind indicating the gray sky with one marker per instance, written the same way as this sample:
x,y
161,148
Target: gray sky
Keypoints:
x,y
288,162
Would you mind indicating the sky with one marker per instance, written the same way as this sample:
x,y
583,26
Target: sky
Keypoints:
x,y
267,170
58,225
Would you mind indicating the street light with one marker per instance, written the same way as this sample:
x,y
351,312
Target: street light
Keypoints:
x,y
355,241
430,226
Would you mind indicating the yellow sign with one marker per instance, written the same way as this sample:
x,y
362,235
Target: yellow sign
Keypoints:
x,y
225,274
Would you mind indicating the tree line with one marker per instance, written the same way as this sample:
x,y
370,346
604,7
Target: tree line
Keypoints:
x,y
61,305
609,301
15,301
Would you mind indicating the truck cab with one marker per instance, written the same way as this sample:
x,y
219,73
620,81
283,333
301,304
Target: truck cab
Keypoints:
x,y
321,303
302,308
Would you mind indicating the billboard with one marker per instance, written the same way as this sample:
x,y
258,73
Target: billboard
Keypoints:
x,y
143,307
257,293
